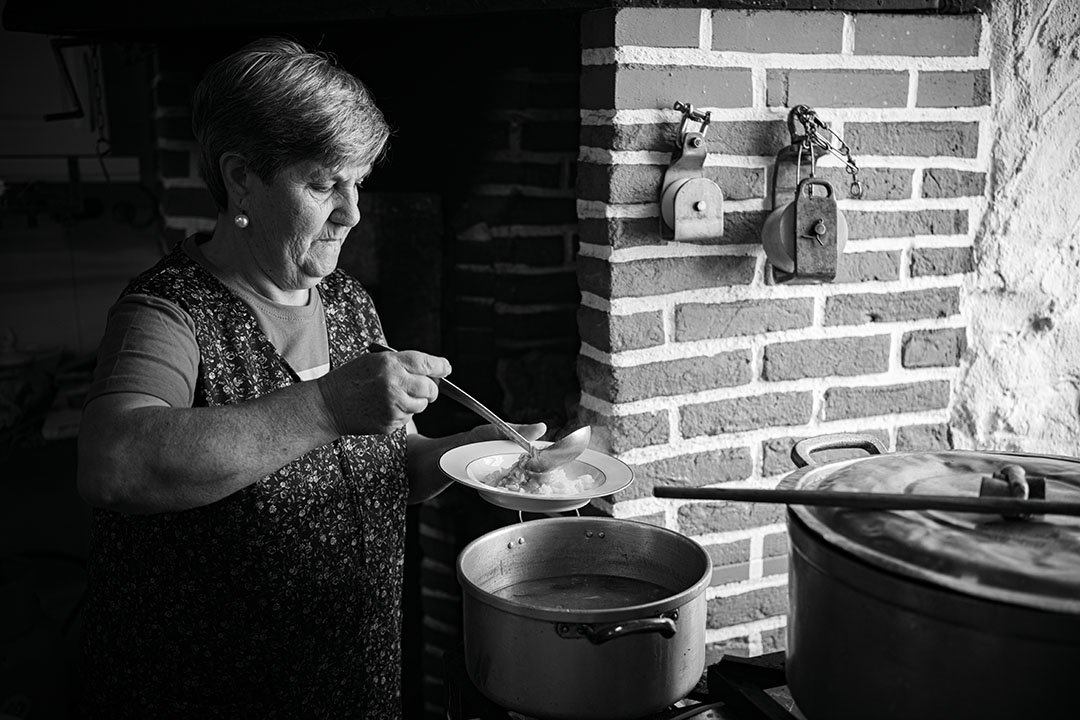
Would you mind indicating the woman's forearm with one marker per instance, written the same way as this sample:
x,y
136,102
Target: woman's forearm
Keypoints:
x,y
138,455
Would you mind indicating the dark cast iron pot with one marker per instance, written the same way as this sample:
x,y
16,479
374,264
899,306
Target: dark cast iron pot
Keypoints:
x,y
931,615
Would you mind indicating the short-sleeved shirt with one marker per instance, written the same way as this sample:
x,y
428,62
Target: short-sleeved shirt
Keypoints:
x,y
150,345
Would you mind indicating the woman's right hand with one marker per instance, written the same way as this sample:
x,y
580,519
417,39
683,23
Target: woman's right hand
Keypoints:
x,y
376,393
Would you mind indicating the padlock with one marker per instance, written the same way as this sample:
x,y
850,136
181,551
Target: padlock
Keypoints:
x,y
803,239
691,205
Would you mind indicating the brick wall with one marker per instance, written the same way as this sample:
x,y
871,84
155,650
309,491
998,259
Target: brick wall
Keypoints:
x,y
694,367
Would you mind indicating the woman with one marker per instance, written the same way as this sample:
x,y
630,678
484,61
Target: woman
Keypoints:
x,y
248,460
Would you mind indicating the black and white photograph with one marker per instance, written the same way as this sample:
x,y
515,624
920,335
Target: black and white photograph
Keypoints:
x,y
539,359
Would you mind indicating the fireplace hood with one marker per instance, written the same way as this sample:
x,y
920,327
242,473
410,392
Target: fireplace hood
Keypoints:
x,y
137,19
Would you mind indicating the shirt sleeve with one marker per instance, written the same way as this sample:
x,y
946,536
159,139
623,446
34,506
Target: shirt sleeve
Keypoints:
x,y
149,347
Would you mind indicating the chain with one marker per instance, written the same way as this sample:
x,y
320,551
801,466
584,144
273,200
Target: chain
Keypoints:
x,y
830,142
103,146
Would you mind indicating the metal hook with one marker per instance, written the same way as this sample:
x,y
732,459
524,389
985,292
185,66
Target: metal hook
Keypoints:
x,y
689,113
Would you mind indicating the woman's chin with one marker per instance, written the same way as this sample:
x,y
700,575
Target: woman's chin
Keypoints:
x,y
322,259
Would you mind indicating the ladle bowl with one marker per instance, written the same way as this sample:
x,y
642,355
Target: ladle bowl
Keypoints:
x,y
560,452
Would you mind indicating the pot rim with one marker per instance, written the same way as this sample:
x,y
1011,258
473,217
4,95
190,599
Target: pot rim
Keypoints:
x,y
627,612
821,522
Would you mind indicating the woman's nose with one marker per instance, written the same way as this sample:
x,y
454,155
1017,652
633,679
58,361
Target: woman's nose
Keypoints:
x,y
347,212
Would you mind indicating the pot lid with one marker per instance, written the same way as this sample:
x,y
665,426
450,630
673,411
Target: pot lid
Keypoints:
x,y
1032,561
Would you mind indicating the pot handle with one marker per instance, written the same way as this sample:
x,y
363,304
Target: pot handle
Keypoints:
x,y
801,452
601,634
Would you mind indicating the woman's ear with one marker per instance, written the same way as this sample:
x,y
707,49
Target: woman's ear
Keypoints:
x,y
236,174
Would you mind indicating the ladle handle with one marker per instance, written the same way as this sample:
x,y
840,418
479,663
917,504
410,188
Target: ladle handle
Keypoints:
x,y
453,392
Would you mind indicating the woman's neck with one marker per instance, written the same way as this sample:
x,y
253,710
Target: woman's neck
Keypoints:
x,y
229,256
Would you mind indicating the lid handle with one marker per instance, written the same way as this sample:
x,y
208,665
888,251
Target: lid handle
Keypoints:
x,y
1012,481
802,451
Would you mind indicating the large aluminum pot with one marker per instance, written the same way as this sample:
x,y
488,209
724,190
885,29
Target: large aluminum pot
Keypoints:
x,y
925,614
584,617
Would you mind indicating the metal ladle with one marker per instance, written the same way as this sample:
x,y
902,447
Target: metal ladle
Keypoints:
x,y
541,459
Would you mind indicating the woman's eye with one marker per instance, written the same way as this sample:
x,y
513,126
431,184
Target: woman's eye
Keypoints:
x,y
323,188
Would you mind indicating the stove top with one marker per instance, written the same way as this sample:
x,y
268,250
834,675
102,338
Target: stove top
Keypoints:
x,y
733,689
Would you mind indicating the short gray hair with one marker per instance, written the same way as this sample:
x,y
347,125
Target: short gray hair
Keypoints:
x,y
276,103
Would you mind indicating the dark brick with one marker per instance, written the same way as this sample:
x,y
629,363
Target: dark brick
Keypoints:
x,y
919,139
916,438
877,183
726,137
661,27
836,88
777,31
729,553
740,228
863,266
777,565
700,321
747,607
727,574
658,276
662,379
893,223
747,413
933,348
774,640
953,89
894,307
692,470
617,333
619,233
776,545
621,433
842,402
913,35
594,275
946,182
700,518
651,86
942,261
823,358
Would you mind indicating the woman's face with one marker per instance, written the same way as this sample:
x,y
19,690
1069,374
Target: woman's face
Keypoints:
x,y
299,221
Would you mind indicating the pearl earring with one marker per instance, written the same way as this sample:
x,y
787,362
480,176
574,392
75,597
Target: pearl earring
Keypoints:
x,y
241,220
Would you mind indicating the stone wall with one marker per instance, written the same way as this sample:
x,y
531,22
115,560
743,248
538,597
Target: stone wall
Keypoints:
x,y
1021,384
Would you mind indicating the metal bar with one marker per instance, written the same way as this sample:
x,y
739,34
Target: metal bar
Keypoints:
x,y
874,501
